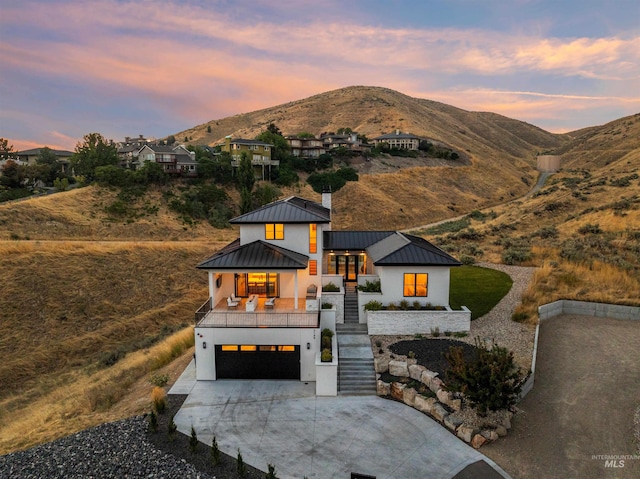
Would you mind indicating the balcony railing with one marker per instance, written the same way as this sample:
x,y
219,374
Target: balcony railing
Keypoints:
x,y
271,319
203,310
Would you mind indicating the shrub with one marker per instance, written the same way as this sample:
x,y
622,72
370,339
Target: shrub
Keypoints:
x,y
159,380
326,342
171,429
416,305
515,256
193,441
327,332
373,306
370,286
411,355
490,381
326,356
330,288
215,451
467,260
158,399
241,467
404,305
153,422
435,332
589,228
391,307
327,305
272,472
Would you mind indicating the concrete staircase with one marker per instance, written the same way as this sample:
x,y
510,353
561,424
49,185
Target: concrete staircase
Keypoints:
x,y
356,373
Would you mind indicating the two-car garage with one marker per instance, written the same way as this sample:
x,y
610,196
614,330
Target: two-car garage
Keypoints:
x,y
250,361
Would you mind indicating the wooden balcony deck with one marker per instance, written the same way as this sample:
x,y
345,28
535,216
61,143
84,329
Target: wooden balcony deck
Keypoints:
x,y
283,315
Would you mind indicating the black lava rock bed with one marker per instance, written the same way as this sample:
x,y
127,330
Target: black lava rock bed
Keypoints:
x,y
430,352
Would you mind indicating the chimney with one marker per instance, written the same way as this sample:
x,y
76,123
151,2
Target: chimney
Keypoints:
x,y
326,201
397,131
326,197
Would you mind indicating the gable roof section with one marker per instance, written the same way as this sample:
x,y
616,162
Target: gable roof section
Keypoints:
x,y
402,249
352,240
288,210
258,255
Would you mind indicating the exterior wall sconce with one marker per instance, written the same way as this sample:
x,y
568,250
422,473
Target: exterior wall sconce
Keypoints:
x,y
308,345
204,345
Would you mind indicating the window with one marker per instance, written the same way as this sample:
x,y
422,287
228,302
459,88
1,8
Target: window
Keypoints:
x,y
313,238
415,284
313,267
274,231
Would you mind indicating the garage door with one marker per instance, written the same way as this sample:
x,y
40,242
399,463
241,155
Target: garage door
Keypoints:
x,y
235,361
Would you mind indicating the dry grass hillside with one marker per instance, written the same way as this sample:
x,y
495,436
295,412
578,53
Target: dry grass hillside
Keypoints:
x,y
582,228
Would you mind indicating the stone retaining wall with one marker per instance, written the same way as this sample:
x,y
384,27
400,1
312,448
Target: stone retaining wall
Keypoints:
x,y
385,323
442,407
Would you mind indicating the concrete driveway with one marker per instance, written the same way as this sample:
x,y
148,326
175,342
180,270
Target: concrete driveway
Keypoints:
x,y
285,424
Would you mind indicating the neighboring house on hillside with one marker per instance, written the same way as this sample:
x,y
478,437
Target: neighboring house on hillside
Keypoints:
x,y
350,142
305,147
30,157
176,160
259,152
266,303
401,141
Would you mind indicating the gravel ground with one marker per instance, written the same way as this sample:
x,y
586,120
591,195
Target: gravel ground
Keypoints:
x,y
123,449
113,450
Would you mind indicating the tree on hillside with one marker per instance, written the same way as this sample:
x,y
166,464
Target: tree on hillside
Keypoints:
x,y
12,175
92,152
246,180
47,166
6,150
171,140
273,136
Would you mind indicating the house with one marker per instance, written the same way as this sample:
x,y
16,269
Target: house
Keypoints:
x,y
30,157
266,303
175,160
401,141
259,152
350,142
305,147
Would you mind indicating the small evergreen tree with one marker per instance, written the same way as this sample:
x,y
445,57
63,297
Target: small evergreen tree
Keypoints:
x,y
193,441
241,467
272,472
490,380
215,452
153,422
171,429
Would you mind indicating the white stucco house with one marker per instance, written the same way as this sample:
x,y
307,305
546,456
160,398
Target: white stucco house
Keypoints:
x,y
266,305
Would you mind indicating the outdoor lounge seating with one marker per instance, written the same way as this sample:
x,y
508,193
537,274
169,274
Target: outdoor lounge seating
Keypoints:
x,y
269,303
231,304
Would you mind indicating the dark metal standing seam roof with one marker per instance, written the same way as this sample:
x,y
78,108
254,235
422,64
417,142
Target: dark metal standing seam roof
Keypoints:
x,y
352,240
258,255
416,251
289,210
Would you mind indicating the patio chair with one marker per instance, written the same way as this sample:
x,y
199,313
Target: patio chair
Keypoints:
x,y
270,303
231,304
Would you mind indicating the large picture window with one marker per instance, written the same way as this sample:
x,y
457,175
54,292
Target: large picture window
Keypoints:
x,y
415,284
274,231
313,238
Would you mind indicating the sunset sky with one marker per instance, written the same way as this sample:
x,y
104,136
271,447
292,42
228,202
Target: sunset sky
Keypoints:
x,y
156,67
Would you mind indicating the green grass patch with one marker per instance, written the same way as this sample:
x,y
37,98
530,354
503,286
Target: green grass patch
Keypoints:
x,y
479,289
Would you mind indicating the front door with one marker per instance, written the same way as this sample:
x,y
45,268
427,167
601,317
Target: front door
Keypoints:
x,y
347,266
352,268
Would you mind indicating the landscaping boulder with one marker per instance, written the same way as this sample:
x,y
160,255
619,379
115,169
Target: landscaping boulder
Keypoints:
x,y
415,371
383,389
501,430
465,433
409,396
398,368
424,404
381,364
426,377
452,422
439,412
397,391
435,384
443,396
477,441
489,435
